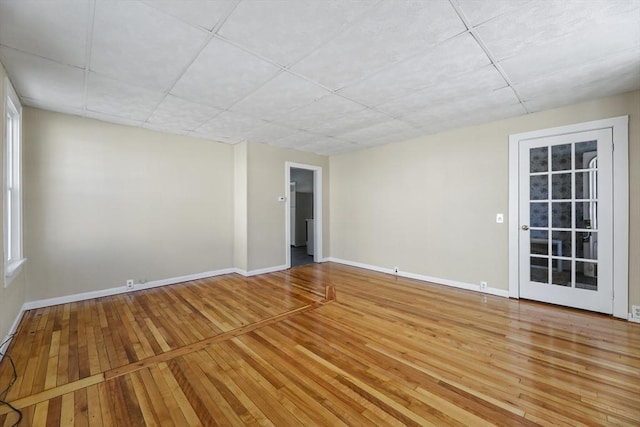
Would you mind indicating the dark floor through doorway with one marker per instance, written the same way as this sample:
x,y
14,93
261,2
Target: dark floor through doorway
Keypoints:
x,y
299,256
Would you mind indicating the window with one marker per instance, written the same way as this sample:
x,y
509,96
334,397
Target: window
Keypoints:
x,y
13,259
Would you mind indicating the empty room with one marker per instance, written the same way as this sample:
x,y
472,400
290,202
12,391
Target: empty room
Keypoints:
x,y
319,212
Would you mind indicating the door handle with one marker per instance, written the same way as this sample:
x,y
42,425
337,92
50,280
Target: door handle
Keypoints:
x,y
525,227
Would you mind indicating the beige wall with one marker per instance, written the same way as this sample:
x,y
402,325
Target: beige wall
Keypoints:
x,y
13,297
266,227
428,205
105,203
240,205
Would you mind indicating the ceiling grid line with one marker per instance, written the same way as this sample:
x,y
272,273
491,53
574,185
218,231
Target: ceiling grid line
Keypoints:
x,y
482,44
205,43
87,66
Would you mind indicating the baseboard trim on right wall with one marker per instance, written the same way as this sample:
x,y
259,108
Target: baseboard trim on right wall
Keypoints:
x,y
453,283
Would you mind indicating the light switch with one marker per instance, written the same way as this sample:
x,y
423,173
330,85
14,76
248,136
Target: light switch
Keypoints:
x,y
499,218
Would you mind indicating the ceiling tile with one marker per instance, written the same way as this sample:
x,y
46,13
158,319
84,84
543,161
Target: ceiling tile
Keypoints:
x,y
478,12
458,108
166,127
327,145
113,119
115,98
572,51
222,75
42,80
583,74
231,125
592,90
278,96
483,80
214,137
284,31
52,106
201,13
327,108
450,58
390,32
138,44
270,132
178,114
349,122
485,115
544,22
296,140
55,30
376,131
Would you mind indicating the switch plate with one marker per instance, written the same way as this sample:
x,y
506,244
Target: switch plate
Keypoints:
x,y
499,218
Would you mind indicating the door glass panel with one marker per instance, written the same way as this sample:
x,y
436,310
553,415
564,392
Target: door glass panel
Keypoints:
x,y
587,185
587,245
561,186
586,215
539,215
587,275
561,157
539,159
561,243
539,187
561,214
539,269
539,242
585,151
561,272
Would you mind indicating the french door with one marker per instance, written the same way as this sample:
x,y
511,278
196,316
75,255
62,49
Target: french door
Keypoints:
x,y
566,221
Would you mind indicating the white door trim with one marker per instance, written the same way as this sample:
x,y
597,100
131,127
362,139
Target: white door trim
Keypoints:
x,y
620,129
317,210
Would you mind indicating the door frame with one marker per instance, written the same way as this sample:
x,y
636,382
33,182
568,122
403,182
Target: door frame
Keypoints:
x,y
317,210
620,133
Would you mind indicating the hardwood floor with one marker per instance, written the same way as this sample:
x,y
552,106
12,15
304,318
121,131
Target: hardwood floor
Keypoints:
x,y
277,349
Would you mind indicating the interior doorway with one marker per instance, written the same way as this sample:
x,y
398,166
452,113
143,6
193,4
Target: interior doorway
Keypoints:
x,y
303,214
568,216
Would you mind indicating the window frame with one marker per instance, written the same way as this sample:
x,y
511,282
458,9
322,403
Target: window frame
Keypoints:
x,y
12,195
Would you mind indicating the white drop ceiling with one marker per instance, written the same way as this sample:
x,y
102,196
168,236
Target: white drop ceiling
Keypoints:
x,y
325,76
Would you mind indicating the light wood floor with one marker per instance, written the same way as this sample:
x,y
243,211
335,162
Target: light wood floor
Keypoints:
x,y
279,350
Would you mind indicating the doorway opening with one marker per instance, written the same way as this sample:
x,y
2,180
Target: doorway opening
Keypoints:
x,y
303,214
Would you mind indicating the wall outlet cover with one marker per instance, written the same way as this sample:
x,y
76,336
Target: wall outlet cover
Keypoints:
x,y
635,311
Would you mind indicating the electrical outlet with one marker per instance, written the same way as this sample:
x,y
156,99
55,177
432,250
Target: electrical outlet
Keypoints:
x,y
130,284
396,270
483,286
635,311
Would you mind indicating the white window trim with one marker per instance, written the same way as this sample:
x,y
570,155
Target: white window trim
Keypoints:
x,y
13,267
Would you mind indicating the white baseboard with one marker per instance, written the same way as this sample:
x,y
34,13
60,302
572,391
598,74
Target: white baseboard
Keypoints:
x,y
246,273
122,289
453,283
6,340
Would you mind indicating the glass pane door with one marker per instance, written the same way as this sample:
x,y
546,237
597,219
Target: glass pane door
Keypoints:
x,y
561,217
